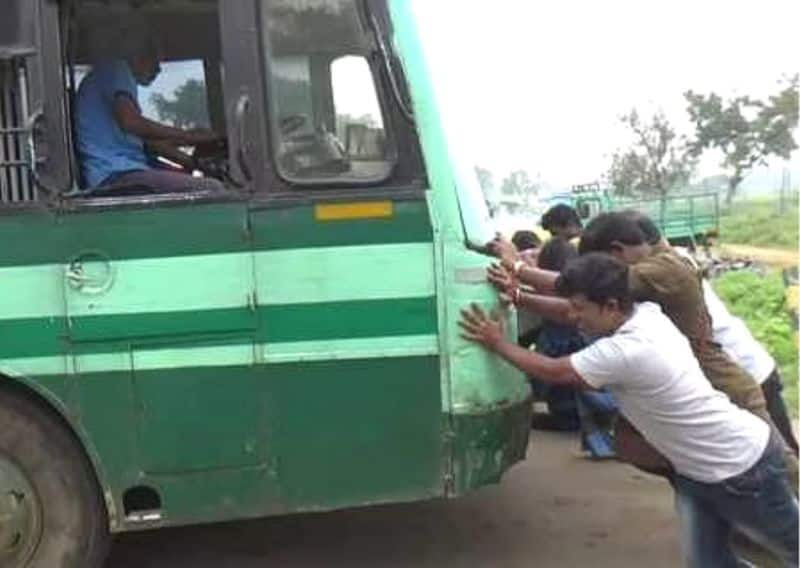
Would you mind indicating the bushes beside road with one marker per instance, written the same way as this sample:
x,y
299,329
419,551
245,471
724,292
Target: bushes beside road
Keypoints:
x,y
761,303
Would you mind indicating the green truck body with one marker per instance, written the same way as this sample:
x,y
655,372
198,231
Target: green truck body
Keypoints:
x,y
684,219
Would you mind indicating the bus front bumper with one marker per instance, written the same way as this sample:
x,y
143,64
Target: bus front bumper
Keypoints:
x,y
486,444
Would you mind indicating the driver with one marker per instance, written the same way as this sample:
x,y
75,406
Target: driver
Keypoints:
x,y
115,142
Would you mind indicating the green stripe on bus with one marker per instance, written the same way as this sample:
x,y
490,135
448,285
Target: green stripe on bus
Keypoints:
x,y
45,238
144,325
337,274
238,352
32,337
40,237
221,281
275,229
279,323
337,320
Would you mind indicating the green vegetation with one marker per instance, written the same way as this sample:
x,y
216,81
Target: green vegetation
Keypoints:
x,y
745,130
761,223
761,303
188,107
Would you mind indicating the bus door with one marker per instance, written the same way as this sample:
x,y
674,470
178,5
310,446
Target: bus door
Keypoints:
x,y
344,261
162,310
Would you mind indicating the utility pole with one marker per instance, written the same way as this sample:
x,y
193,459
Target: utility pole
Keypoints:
x,y
786,181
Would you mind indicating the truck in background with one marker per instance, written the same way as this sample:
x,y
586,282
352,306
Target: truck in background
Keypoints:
x,y
684,219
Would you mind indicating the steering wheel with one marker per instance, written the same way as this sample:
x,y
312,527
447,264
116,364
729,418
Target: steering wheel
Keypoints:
x,y
319,153
292,123
211,158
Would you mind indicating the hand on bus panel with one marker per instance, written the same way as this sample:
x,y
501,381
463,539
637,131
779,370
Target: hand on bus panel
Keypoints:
x,y
529,256
501,278
503,249
508,299
477,326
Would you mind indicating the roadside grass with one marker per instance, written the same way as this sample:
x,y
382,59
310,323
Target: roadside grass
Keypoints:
x,y
760,222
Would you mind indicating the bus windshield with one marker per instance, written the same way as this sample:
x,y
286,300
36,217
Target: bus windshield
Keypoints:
x,y
458,125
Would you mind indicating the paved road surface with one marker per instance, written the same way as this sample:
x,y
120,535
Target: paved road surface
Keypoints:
x,y
556,509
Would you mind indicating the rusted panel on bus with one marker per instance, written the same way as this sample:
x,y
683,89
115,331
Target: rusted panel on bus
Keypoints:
x,y
488,443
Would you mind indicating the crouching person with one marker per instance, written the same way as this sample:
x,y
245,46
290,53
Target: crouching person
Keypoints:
x,y
729,468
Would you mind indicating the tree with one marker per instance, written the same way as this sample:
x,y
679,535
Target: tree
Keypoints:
x,y
486,181
187,108
657,162
714,183
747,131
627,173
519,184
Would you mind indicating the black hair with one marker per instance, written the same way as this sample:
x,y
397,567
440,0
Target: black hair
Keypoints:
x,y
137,40
524,240
555,254
598,276
606,229
648,227
560,216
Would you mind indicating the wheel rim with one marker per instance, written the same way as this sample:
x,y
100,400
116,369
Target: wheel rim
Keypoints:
x,y
20,516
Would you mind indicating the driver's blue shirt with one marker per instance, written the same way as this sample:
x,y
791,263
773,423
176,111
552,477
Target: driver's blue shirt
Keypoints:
x,y
103,147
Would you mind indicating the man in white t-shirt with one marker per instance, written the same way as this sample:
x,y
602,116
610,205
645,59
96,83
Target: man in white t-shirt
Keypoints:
x,y
727,464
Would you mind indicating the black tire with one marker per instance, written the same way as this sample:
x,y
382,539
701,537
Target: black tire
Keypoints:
x,y
73,524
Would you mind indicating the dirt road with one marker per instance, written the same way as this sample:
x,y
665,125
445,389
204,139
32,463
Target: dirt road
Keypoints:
x,y
780,258
556,509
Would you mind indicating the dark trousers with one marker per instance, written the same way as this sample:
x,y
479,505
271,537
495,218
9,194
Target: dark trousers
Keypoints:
x,y
758,501
143,182
776,407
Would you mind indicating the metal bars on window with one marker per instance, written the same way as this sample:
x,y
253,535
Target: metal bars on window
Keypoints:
x,y
15,177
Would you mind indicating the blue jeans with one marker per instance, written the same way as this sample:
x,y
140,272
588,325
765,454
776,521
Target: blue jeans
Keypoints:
x,y
593,406
598,401
759,502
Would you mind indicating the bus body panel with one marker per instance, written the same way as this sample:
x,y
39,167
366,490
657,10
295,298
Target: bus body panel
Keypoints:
x,y
254,356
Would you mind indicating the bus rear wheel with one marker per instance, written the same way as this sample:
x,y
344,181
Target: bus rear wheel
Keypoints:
x,y
51,511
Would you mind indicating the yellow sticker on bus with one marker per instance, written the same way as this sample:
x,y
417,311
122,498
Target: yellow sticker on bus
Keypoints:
x,y
349,211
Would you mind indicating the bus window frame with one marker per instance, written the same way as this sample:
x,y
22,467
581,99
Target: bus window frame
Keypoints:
x,y
408,178
297,185
242,52
40,30
229,56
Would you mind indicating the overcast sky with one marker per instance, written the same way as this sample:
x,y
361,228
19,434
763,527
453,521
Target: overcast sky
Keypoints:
x,y
540,85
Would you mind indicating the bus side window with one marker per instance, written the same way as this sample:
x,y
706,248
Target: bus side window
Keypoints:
x,y
327,121
358,116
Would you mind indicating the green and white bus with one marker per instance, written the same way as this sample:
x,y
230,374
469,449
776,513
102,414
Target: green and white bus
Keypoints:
x,y
288,345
